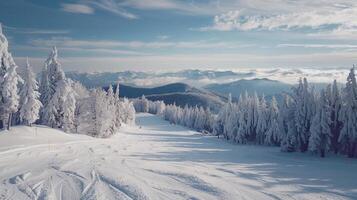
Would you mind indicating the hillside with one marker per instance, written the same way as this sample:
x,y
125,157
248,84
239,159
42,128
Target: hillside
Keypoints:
x,y
192,77
157,160
134,92
261,86
190,99
178,93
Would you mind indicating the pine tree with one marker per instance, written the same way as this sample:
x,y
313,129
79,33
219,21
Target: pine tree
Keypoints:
x,y
227,120
273,131
319,140
9,79
10,93
30,104
303,113
243,127
348,116
111,95
117,106
287,125
263,119
81,94
60,110
52,75
145,104
253,116
336,124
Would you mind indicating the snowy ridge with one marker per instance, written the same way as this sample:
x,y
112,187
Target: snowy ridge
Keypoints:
x,y
156,160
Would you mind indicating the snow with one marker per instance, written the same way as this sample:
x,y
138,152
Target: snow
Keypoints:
x,y
156,160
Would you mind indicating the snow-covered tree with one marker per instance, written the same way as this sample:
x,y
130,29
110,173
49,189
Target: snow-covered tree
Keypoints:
x,y
127,112
142,104
335,103
348,116
9,79
60,110
304,111
30,103
287,125
226,119
263,119
243,128
319,140
231,121
209,120
52,75
111,95
253,114
273,127
81,94
117,107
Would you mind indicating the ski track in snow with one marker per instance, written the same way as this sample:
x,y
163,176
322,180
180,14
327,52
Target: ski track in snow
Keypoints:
x,y
156,160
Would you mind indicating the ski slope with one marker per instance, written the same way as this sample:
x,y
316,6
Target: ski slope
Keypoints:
x,y
156,160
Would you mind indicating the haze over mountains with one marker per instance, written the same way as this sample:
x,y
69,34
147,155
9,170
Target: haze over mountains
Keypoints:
x,y
260,86
201,78
207,88
180,94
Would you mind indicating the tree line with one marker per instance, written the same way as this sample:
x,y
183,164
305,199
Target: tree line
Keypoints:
x,y
304,120
57,101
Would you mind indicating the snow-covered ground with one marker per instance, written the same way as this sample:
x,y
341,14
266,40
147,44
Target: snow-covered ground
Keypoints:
x,y
156,160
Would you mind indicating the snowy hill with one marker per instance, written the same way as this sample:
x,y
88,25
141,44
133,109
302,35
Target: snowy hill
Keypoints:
x,y
178,93
261,86
156,160
135,91
192,77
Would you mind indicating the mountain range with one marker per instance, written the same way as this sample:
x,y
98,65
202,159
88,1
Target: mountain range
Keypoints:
x,y
176,93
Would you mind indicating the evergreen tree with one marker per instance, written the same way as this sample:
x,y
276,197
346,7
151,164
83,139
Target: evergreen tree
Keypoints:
x,y
348,116
273,130
52,75
9,79
303,113
336,124
287,125
243,129
319,140
30,104
263,120
117,106
60,110
253,116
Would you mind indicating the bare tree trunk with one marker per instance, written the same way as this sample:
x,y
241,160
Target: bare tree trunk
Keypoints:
x,y
9,121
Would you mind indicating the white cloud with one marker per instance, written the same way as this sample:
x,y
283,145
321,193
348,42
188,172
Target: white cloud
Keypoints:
x,y
207,61
77,8
35,31
69,42
330,46
345,18
112,6
319,19
81,50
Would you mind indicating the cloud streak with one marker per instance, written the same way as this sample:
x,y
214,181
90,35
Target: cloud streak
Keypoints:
x,y
236,20
327,20
112,6
35,31
77,8
330,46
69,42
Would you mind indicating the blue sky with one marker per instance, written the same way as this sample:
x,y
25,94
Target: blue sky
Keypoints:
x,y
156,35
